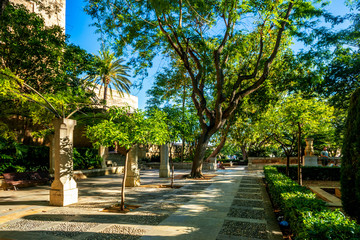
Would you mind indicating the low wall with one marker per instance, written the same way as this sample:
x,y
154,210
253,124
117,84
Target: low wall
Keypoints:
x,y
82,174
258,163
177,165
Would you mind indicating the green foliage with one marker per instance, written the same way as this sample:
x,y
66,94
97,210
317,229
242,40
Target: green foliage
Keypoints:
x,y
350,166
313,173
39,54
129,128
308,216
86,158
314,115
228,48
16,157
110,72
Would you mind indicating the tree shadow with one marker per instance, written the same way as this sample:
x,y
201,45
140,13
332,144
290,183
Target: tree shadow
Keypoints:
x,y
36,203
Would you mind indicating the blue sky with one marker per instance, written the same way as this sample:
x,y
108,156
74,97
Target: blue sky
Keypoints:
x,y
82,34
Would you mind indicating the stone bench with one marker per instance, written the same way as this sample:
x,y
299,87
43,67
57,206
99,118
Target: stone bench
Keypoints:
x,y
24,179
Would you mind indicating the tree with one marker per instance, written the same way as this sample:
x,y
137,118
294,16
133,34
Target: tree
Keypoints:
x,y
294,115
110,72
171,94
128,130
39,54
224,60
43,60
350,164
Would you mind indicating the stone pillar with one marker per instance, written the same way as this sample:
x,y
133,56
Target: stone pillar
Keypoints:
x,y
52,154
164,171
64,189
309,159
103,153
213,164
133,172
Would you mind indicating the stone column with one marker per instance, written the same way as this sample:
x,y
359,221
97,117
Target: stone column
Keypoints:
x,y
52,154
164,171
103,153
309,159
64,189
133,172
212,163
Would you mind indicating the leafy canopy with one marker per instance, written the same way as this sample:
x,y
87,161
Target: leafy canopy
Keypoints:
x,y
128,129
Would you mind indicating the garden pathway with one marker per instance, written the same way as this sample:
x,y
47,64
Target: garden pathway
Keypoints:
x,y
231,205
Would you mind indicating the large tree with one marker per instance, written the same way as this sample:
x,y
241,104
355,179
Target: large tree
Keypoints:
x,y
110,72
227,47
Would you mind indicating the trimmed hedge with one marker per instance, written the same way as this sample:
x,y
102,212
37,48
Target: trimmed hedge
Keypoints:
x,y
313,173
308,216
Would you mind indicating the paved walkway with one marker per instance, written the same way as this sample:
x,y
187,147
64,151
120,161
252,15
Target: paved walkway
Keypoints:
x,y
232,205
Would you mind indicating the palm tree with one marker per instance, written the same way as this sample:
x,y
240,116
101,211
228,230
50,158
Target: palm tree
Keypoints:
x,y
109,70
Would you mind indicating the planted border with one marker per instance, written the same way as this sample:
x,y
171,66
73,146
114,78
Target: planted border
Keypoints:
x,y
308,216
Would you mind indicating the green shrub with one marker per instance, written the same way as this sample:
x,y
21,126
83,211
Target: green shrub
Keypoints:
x,y
313,173
350,166
86,158
308,216
16,157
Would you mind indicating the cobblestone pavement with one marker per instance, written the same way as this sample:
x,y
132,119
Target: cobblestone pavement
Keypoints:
x,y
232,205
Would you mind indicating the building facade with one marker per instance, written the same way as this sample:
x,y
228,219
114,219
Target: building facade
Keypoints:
x,y
53,11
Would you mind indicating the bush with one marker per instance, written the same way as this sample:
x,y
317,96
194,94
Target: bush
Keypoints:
x,y
350,166
308,216
86,158
16,157
313,173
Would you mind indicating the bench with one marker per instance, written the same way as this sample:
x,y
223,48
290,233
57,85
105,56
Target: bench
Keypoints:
x,y
25,179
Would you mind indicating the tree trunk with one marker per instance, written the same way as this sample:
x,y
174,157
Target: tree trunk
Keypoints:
x,y
182,150
244,153
287,165
172,169
299,155
196,170
122,203
217,149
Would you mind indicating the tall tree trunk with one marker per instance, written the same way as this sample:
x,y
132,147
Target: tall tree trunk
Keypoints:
x,y
287,164
196,170
172,169
244,152
105,93
122,203
182,149
217,149
299,156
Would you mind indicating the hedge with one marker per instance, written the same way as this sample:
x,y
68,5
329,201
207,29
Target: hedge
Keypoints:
x,y
313,173
308,216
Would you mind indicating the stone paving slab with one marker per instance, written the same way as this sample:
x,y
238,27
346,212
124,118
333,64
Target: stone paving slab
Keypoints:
x,y
212,209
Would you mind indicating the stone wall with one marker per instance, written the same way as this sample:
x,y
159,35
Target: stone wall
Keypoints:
x,y
257,163
114,98
53,15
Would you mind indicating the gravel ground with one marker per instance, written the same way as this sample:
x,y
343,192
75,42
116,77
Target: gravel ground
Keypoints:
x,y
246,213
256,196
118,232
244,229
247,203
249,190
70,230
23,224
